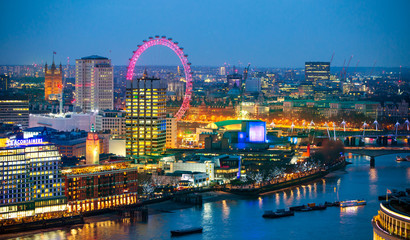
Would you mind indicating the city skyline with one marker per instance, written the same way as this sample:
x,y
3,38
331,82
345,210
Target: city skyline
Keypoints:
x,y
280,34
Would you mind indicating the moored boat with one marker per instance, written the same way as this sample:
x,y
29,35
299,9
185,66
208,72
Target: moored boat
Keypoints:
x,y
297,208
186,231
332,204
278,214
400,159
306,209
352,203
319,207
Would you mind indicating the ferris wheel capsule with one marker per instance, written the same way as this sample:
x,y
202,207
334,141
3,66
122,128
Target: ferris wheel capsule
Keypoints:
x,y
144,41
164,37
156,36
176,43
150,38
170,39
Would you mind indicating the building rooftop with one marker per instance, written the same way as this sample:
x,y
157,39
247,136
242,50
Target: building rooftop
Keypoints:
x,y
93,57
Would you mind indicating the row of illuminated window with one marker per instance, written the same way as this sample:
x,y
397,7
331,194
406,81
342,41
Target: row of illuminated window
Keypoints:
x,y
14,172
4,161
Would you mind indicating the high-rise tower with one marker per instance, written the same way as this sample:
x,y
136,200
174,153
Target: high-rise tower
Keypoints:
x,y
146,117
94,84
53,81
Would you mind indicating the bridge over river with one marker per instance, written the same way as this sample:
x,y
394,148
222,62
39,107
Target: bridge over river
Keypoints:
x,y
373,152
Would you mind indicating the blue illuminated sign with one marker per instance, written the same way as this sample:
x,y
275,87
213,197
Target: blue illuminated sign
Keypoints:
x,y
17,142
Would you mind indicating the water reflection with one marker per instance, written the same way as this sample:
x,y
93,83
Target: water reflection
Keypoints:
x,y
298,193
349,210
373,174
225,210
408,173
241,219
323,186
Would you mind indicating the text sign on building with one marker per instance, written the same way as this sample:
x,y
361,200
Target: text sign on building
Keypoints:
x,y
17,142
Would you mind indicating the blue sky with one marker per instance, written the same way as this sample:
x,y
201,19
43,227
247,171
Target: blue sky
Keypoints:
x,y
272,33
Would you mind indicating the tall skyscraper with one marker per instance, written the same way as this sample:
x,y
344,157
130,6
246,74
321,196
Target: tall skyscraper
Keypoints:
x,y
4,83
317,72
146,117
94,84
53,81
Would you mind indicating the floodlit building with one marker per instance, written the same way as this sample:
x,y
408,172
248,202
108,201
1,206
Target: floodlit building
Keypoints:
x,y
92,155
53,81
146,117
91,188
393,220
31,179
171,132
94,83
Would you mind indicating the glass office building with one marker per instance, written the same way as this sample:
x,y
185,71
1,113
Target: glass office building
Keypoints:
x,y
31,179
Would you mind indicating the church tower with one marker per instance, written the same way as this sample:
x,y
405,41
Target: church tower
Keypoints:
x,y
53,81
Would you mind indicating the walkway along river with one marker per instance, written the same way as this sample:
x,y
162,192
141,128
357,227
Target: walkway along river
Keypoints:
x,y
242,218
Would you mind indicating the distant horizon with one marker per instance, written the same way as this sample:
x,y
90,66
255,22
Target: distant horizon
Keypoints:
x,y
264,33
231,66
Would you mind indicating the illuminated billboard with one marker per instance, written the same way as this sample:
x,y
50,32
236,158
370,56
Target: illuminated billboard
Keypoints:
x,y
257,131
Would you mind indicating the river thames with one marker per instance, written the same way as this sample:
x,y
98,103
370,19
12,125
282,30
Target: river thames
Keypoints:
x,y
242,218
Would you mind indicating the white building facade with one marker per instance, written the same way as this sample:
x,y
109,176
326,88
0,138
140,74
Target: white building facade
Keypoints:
x,y
94,83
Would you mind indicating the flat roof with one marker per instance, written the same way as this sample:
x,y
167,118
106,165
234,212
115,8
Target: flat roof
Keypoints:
x,y
93,57
231,122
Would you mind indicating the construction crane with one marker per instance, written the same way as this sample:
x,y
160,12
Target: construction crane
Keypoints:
x,y
343,69
331,59
356,67
371,72
245,76
348,63
65,76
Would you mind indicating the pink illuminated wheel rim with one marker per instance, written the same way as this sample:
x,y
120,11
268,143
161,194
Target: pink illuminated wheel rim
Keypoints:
x,y
163,41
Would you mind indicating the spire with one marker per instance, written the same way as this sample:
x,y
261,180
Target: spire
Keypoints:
x,y
53,66
145,74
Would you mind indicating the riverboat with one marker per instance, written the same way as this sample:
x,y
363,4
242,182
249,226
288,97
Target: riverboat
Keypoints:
x,y
278,214
352,203
186,231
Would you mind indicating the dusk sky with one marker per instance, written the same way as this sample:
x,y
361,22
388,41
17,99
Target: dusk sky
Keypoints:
x,y
271,33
